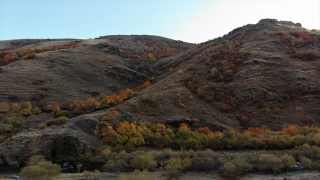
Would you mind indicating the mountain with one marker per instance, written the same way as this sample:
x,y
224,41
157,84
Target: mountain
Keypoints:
x,y
259,75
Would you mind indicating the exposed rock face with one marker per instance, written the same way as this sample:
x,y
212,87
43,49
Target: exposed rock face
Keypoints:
x,y
67,142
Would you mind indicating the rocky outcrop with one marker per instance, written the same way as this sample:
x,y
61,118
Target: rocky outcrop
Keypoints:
x,y
64,143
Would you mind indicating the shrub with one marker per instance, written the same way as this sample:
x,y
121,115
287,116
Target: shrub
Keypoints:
x,y
4,107
6,128
26,112
287,161
203,163
235,167
144,162
16,122
270,162
104,152
36,110
38,168
34,160
94,175
30,55
58,121
2,138
175,166
116,164
305,162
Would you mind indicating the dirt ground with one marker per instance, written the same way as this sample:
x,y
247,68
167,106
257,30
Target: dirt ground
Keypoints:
x,y
186,176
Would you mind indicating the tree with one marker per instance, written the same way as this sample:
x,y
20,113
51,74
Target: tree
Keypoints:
x,y
143,161
235,167
288,161
305,162
270,162
39,168
175,166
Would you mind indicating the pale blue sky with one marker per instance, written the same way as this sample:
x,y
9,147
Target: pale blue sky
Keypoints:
x,y
187,20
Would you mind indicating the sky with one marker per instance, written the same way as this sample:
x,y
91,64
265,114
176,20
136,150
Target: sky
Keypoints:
x,y
192,21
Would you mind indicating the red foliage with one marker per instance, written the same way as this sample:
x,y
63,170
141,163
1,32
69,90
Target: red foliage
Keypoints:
x,y
229,102
205,130
247,115
239,38
305,36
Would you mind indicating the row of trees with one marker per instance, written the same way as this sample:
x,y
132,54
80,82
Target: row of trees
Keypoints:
x,y
131,135
173,164
26,108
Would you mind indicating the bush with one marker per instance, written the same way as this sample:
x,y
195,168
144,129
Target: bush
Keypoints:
x,y
270,162
115,164
26,112
38,168
1,69
94,175
203,163
175,166
305,162
235,167
4,107
104,152
143,162
11,124
34,160
288,161
2,138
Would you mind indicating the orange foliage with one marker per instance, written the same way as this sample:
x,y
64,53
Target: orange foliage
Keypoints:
x,y
4,107
205,130
160,128
124,127
112,114
292,130
232,131
218,134
184,126
90,102
123,94
144,85
253,130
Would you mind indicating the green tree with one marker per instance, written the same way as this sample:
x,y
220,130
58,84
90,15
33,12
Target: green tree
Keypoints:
x,y
288,161
235,167
40,169
144,161
175,166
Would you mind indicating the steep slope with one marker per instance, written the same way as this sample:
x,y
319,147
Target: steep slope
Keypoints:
x,y
258,75
90,68
262,75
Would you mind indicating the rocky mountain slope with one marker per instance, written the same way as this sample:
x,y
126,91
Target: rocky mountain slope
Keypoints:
x,y
261,75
